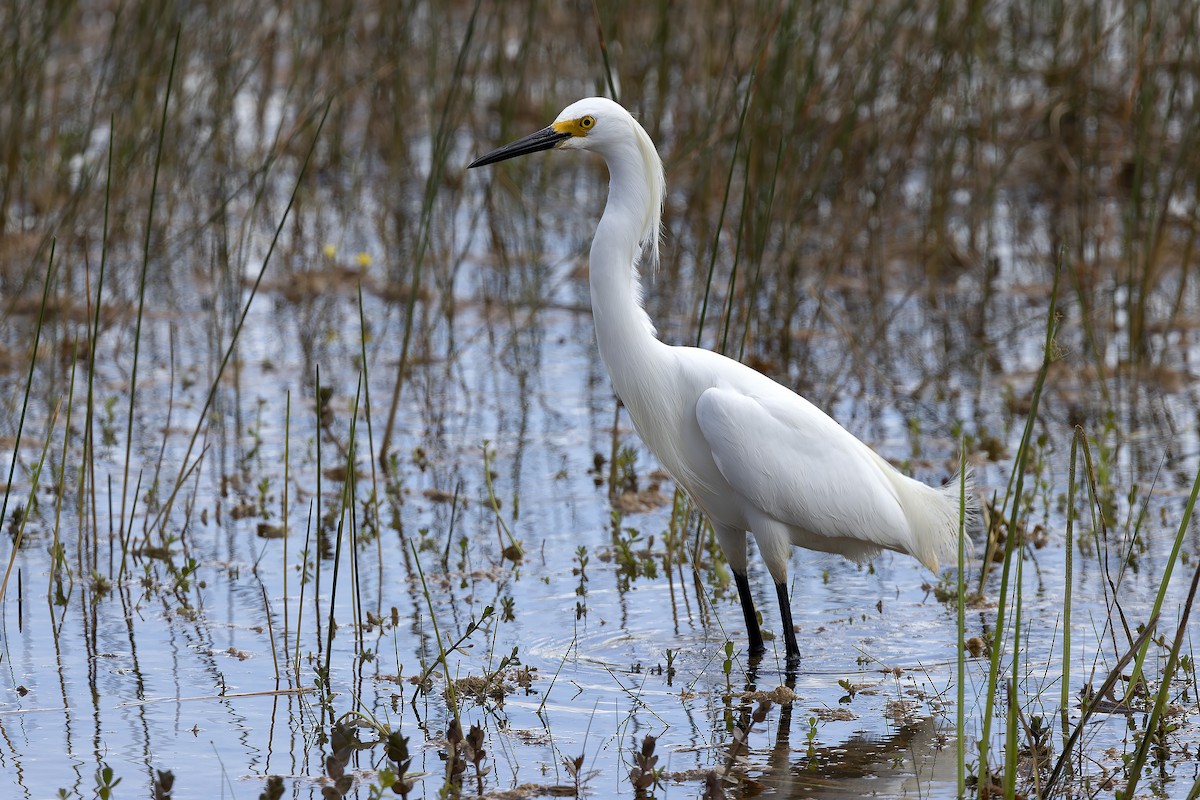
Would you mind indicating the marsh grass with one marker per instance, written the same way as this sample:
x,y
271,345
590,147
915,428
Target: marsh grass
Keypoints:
x,y
940,222
1008,630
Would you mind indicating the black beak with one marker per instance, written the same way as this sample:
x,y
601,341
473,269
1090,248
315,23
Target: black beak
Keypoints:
x,y
542,140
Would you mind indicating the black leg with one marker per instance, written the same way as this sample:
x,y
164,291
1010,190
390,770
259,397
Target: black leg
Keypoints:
x,y
789,631
752,630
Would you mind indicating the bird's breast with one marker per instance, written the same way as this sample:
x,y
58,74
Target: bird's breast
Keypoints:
x,y
662,407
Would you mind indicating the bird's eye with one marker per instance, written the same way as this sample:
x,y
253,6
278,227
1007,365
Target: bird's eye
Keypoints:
x,y
587,122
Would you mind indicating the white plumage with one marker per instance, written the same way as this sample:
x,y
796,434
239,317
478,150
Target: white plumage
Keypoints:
x,y
752,454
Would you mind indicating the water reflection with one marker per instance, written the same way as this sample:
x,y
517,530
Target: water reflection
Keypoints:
x,y
892,224
915,759
909,755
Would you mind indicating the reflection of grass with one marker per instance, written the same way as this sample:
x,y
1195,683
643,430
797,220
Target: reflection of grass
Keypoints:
x,y
898,181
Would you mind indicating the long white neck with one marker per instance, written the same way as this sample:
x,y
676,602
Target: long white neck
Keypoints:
x,y
624,333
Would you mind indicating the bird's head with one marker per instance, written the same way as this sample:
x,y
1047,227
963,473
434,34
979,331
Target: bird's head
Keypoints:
x,y
600,125
593,123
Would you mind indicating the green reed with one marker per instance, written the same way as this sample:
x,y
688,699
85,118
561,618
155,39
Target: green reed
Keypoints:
x,y
1012,548
33,358
141,306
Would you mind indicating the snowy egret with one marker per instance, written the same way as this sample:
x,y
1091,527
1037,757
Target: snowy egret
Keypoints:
x,y
752,454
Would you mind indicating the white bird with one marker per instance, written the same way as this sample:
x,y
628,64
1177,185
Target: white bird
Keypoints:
x,y
753,455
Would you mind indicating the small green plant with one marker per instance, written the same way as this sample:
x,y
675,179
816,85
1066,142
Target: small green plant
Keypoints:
x,y
342,743
474,752
633,561
472,626
255,434
100,584
625,545
108,423
105,781
397,751
645,774
574,768
183,577
581,558
513,551
385,779
623,477
264,497
810,739
456,762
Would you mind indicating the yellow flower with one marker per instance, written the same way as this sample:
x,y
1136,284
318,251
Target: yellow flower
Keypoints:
x,y
363,260
329,250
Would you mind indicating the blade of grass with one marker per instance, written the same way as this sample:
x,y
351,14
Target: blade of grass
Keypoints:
x,y
443,137
451,692
731,284
608,73
316,553
233,340
516,549
962,616
88,473
30,503
720,223
137,331
287,462
60,491
1171,561
366,378
270,631
1068,559
33,354
347,503
1010,747
1048,356
1090,706
303,583
1164,689
760,246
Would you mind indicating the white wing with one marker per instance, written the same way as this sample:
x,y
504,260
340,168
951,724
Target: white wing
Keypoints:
x,y
796,465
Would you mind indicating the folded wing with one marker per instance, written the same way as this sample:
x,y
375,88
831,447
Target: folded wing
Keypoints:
x,y
793,463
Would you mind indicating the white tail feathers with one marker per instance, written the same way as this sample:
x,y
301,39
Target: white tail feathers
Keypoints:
x,y
933,515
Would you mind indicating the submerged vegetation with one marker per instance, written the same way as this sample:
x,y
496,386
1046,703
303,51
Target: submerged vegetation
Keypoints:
x,y
307,446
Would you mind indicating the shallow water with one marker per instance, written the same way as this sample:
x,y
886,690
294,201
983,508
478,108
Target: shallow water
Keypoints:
x,y
180,632
144,677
